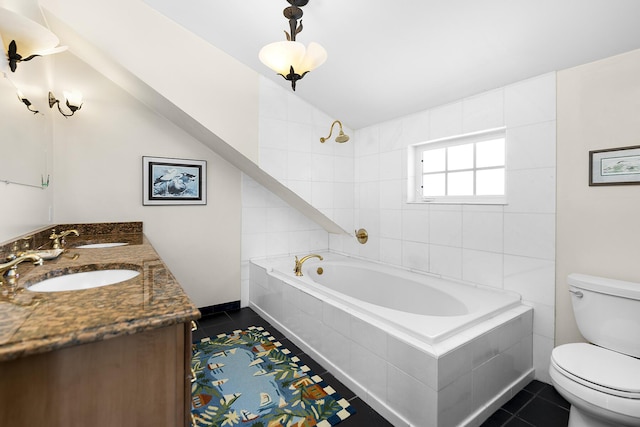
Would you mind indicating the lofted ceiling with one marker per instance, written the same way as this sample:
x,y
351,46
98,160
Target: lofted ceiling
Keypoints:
x,y
387,58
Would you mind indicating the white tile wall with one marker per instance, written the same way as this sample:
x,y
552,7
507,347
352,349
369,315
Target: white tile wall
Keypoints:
x,y
445,261
511,246
362,183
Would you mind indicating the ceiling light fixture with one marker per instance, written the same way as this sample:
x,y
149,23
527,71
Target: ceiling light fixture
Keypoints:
x,y
341,136
23,39
14,57
290,58
73,101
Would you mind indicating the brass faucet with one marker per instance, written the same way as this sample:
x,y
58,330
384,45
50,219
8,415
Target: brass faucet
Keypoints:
x,y
9,270
57,243
298,268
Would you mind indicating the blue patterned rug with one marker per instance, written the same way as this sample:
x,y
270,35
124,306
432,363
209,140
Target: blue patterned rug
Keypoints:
x,y
246,378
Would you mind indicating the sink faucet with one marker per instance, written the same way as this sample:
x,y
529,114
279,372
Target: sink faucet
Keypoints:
x,y
57,243
9,270
298,268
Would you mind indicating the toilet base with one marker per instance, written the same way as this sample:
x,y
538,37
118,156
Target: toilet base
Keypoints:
x,y
578,418
593,408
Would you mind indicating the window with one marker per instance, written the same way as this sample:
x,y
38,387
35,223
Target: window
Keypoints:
x,y
464,169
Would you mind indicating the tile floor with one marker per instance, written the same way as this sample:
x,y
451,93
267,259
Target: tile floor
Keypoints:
x,y
538,404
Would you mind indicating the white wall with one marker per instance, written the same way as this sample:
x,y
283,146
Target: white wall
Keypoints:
x,y
291,151
598,227
270,227
322,174
97,177
510,247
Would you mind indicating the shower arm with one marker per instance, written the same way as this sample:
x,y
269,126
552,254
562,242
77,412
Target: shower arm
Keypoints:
x,y
331,131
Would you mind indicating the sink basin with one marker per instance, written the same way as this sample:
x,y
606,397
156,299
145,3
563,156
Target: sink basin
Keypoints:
x,y
84,280
100,245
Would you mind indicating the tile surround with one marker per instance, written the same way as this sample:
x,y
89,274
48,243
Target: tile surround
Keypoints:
x,y
510,247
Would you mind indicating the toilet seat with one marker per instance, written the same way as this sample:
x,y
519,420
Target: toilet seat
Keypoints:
x,y
599,369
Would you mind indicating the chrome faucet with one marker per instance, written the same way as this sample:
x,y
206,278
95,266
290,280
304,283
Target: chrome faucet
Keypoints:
x,y
9,270
298,268
57,243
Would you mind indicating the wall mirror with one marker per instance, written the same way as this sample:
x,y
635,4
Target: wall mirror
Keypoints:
x,y
24,136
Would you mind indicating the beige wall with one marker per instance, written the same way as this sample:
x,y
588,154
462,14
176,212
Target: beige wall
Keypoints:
x,y
213,88
97,177
95,162
598,228
95,157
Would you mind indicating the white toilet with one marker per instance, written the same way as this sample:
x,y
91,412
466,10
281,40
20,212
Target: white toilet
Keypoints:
x,y
601,380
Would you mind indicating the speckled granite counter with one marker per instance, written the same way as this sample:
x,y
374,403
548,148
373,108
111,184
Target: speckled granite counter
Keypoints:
x,y
38,322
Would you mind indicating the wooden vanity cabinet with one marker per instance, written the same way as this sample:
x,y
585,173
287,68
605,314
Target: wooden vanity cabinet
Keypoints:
x,y
133,380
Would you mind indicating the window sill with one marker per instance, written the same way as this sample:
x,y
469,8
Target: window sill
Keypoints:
x,y
460,201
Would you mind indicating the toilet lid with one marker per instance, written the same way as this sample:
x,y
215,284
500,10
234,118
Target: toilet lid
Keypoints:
x,y
600,367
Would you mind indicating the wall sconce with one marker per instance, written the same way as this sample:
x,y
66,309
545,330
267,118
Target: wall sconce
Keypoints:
x,y
73,101
26,102
341,136
290,58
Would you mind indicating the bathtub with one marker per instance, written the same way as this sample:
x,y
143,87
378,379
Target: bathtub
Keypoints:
x,y
427,307
421,350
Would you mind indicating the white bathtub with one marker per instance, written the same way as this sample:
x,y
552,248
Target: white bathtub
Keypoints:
x,y
426,307
421,350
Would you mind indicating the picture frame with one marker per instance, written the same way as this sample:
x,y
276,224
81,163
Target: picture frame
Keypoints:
x,y
169,181
615,166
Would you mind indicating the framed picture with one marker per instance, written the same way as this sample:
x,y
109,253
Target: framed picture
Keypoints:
x,y
173,181
615,166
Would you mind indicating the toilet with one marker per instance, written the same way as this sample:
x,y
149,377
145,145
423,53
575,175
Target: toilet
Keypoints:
x,y
601,379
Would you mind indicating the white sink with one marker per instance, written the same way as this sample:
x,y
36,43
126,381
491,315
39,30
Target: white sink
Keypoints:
x,y
100,245
84,280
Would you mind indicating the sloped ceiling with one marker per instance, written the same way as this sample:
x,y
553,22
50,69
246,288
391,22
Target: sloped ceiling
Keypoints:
x,y
99,52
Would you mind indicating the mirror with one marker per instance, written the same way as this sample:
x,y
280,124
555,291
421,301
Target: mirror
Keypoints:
x,y
25,136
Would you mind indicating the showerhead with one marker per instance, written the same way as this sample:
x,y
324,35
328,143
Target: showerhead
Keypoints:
x,y
341,136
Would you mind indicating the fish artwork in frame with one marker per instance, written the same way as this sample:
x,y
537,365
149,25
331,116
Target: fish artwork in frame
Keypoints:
x,y
167,181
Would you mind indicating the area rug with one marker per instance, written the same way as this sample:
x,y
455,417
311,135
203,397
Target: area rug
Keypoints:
x,y
246,378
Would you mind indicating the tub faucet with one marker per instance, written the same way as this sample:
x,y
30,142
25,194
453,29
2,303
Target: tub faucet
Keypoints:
x,y
9,270
57,243
298,268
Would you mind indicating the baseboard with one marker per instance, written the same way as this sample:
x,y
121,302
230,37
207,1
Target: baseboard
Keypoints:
x,y
210,310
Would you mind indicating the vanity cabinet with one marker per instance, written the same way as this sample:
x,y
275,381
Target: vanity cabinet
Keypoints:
x,y
117,355
134,380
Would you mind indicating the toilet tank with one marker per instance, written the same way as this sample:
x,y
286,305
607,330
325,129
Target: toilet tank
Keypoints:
x,y
607,312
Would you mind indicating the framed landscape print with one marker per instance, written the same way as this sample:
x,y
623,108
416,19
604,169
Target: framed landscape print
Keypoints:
x,y
615,166
167,181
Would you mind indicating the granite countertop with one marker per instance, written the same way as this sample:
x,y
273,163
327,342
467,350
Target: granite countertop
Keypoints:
x,y
38,322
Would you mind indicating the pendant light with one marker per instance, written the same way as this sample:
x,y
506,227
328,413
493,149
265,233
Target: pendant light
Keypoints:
x,y
290,58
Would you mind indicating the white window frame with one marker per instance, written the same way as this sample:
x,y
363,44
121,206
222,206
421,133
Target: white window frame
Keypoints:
x,y
415,174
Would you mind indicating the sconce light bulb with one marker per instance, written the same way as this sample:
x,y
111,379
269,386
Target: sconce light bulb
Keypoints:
x,y
25,101
74,99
